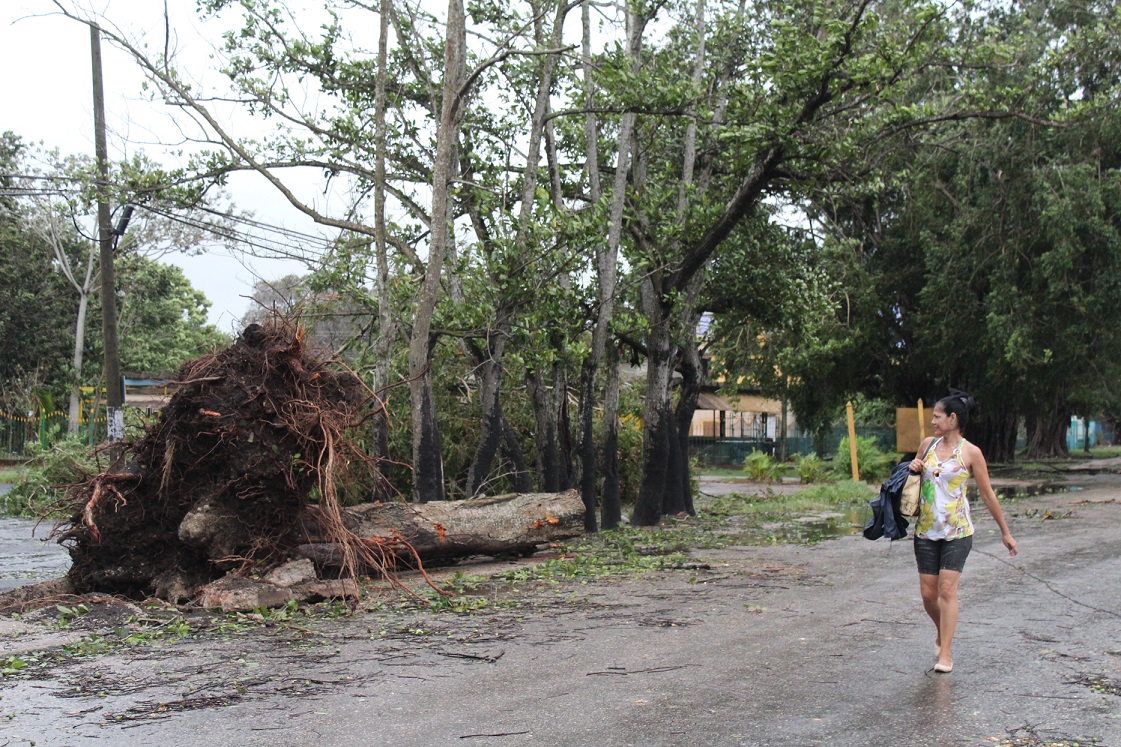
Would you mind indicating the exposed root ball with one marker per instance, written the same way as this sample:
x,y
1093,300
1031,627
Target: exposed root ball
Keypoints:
x,y
219,482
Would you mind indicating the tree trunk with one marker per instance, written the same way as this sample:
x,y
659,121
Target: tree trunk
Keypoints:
x,y
606,257
551,464
611,499
678,498
562,423
1047,429
79,349
683,414
428,455
659,429
428,464
383,345
995,433
515,523
513,451
490,384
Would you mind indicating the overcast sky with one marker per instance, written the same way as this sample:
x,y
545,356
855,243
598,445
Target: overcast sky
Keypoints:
x,y
45,87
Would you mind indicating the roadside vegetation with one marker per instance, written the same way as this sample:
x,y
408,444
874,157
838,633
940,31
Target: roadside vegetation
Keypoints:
x,y
10,475
679,544
39,488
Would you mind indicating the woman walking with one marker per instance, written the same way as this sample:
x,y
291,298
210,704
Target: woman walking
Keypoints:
x,y
944,533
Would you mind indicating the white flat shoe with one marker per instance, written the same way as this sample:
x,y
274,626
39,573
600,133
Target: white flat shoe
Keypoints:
x,y
943,668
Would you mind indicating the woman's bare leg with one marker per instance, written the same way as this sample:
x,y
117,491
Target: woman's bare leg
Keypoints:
x,y
947,584
928,587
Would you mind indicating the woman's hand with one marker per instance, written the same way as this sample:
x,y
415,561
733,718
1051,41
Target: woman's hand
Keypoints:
x,y
1010,544
916,466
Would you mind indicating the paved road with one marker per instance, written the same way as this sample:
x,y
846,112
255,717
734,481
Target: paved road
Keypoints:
x,y
26,556
767,646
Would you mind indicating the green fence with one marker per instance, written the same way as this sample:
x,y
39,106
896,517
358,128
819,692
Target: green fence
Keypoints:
x,y
19,433
730,452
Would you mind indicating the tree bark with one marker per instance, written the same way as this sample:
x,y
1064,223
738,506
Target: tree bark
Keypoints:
x,y
1047,428
428,460
513,451
514,523
611,499
551,462
995,433
490,439
585,430
79,349
659,428
383,345
691,380
606,257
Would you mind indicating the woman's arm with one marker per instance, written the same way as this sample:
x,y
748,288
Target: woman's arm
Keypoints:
x,y
980,471
916,463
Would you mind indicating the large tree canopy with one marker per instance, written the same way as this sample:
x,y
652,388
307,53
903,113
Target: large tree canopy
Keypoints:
x,y
990,257
49,325
35,342
525,203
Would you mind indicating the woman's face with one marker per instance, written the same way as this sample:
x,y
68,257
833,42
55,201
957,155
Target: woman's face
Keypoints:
x,y
943,423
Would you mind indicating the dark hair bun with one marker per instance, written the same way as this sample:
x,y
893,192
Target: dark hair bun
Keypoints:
x,y
966,400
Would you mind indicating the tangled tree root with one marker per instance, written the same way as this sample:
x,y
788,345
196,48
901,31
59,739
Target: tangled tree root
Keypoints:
x,y
218,485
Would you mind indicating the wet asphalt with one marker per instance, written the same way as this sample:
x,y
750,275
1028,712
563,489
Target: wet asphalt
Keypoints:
x,y
786,645
26,556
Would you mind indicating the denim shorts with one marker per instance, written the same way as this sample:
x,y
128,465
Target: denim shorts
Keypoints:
x,y
942,555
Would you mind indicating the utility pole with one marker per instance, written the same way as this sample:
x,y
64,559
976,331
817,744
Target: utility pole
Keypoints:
x,y
114,389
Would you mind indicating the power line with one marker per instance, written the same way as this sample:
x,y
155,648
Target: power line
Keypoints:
x,y
233,217
260,224
244,219
42,177
262,243
8,192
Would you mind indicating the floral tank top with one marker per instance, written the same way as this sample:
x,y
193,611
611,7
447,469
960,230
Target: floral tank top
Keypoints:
x,y
944,509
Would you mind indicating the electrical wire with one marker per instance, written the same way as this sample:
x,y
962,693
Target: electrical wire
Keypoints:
x,y
276,247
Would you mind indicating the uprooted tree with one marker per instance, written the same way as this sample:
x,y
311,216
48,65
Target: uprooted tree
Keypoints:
x,y
249,466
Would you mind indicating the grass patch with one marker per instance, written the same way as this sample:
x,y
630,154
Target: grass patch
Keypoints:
x,y
12,474
828,497
721,521
720,471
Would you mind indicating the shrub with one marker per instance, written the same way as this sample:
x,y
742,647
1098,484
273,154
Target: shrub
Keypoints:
x,y
42,486
841,494
809,467
630,461
875,465
760,467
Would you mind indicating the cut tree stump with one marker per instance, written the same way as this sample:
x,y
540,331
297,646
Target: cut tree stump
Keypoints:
x,y
513,523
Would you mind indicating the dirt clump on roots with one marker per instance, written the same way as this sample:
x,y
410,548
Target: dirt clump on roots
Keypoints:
x,y
219,484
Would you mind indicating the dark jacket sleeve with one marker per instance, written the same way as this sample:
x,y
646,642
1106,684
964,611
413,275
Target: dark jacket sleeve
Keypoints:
x,y
886,520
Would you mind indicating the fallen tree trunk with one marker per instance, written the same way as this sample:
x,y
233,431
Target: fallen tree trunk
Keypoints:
x,y
513,523
221,484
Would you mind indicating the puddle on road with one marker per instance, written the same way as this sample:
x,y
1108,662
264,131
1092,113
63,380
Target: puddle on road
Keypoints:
x,y
811,530
25,557
1014,492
